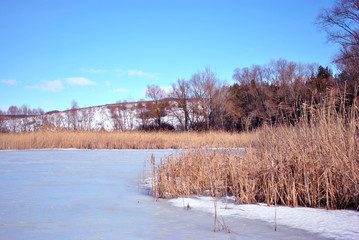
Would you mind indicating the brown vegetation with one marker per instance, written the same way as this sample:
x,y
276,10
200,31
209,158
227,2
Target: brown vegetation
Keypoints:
x,y
314,163
123,140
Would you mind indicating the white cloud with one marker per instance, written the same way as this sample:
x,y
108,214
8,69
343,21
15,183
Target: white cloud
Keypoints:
x,y
121,90
79,81
93,70
140,73
10,82
107,83
51,86
119,72
136,73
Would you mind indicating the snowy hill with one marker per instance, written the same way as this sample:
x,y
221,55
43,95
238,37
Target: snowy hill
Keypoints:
x,y
111,117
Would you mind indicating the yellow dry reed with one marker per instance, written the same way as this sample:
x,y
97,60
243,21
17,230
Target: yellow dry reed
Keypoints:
x,y
314,163
123,140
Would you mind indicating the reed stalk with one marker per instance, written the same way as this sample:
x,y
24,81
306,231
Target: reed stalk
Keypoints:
x,y
313,163
123,140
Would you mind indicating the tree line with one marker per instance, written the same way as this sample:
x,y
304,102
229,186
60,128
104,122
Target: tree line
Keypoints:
x,y
271,93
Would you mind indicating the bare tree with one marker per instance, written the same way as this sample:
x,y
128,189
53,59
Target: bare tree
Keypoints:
x,y
13,122
52,120
128,111
84,119
3,127
117,116
40,116
74,104
159,105
180,94
72,116
13,110
341,23
143,113
220,107
253,94
203,86
128,114
27,119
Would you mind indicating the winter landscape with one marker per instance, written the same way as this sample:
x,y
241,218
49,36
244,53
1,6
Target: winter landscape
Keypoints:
x,y
179,119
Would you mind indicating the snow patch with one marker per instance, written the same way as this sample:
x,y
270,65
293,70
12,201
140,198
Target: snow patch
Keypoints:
x,y
338,224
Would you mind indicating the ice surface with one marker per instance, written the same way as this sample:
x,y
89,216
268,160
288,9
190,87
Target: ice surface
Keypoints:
x,y
95,194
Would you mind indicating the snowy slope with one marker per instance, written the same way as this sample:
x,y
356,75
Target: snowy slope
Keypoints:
x,y
123,116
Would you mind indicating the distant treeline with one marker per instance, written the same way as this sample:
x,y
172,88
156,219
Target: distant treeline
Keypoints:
x,y
273,93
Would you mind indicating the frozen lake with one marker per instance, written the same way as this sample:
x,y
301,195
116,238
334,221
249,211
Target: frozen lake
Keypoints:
x,y
95,194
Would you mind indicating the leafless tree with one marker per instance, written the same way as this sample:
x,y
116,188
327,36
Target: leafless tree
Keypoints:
x,y
3,127
341,23
117,116
220,107
129,115
13,110
13,122
72,116
203,86
254,94
143,113
53,120
27,118
180,94
159,105
87,118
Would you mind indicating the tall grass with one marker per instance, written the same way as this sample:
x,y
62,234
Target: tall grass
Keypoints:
x,y
314,163
123,140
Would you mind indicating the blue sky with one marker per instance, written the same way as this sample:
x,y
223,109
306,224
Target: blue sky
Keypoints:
x,y
100,52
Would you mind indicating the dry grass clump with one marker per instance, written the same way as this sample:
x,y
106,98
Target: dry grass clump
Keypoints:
x,y
123,140
313,164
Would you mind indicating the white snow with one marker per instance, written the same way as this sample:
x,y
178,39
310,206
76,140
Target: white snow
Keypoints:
x,y
91,118
338,224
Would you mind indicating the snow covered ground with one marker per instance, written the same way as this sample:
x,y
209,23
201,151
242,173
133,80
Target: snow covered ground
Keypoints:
x,y
124,116
95,194
337,224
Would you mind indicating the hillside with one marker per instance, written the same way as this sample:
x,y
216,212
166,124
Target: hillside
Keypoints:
x,y
120,116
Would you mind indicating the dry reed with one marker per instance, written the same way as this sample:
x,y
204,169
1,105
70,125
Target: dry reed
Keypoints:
x,y
314,163
123,140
